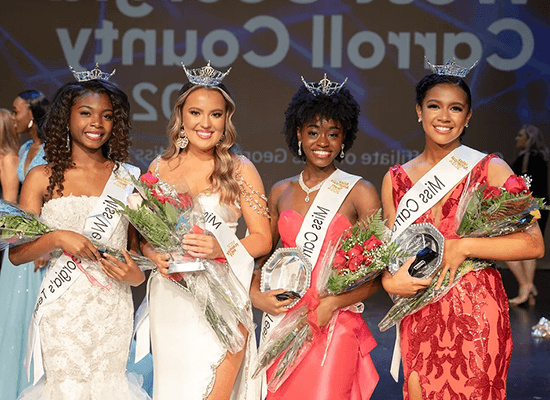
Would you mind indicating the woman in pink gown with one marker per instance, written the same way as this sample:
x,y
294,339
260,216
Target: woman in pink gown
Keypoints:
x,y
319,128
460,346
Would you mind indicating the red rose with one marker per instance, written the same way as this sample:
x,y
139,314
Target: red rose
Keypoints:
x,y
367,260
354,263
372,243
356,251
171,201
341,252
491,192
185,200
339,263
515,184
161,198
149,179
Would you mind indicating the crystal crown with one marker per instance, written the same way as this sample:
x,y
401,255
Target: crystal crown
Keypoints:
x,y
95,73
450,68
324,86
205,76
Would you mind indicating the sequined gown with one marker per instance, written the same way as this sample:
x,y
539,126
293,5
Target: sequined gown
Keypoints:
x,y
85,334
19,286
348,372
461,345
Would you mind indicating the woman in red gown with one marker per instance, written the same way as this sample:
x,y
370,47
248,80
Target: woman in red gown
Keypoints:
x,y
460,346
320,127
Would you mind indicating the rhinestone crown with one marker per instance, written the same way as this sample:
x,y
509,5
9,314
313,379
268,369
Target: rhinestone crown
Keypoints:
x,y
450,68
205,76
95,73
324,86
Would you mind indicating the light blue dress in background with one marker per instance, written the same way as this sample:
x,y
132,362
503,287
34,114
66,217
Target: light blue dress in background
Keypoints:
x,y
19,287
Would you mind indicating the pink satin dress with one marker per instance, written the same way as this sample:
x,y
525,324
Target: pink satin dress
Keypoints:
x,y
348,372
461,345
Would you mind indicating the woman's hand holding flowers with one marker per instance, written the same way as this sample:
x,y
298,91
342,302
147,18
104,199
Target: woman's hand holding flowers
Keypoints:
x,y
201,245
128,272
401,283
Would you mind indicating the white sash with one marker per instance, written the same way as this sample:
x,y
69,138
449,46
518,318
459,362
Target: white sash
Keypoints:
x,y
425,193
315,226
238,258
99,226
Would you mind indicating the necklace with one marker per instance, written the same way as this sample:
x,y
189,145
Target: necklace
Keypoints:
x,y
309,190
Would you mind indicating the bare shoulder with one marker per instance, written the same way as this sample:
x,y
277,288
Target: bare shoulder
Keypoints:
x,y
365,197
9,160
246,167
498,171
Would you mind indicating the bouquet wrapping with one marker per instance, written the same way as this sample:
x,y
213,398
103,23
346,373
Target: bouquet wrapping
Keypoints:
x,y
163,214
361,253
18,226
483,211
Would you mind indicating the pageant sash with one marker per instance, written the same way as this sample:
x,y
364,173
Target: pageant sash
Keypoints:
x,y
315,226
425,193
99,226
435,184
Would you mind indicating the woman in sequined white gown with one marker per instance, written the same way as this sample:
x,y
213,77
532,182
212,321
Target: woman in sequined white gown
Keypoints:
x,y
85,334
188,361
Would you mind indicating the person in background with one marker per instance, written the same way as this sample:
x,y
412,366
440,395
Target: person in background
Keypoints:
x,y
9,184
19,285
532,161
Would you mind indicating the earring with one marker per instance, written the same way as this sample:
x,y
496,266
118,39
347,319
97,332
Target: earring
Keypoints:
x,y
182,141
68,139
419,119
466,126
342,154
221,139
299,148
31,122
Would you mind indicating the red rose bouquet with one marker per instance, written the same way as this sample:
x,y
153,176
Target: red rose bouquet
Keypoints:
x,y
483,211
163,214
361,254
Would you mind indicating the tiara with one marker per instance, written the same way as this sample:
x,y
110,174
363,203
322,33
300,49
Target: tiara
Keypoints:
x,y
325,86
205,76
450,68
95,73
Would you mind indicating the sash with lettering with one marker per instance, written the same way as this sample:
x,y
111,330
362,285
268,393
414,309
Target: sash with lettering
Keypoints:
x,y
242,264
99,227
315,226
425,193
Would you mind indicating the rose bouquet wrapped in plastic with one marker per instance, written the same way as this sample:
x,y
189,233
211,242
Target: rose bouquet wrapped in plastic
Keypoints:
x,y
361,254
163,214
18,226
483,211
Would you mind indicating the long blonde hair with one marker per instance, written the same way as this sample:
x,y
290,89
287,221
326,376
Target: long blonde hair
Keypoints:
x,y
226,163
9,142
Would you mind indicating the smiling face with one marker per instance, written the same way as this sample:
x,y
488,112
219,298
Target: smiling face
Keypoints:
x,y
321,141
203,118
91,121
22,115
444,113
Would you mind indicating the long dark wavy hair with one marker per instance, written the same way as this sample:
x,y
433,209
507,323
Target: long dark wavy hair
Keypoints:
x,y
56,128
305,107
429,81
223,179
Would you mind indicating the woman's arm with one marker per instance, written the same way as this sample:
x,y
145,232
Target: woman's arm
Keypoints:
x,y
8,177
266,301
400,283
32,199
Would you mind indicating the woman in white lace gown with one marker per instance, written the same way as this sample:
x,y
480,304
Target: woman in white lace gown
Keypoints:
x,y
188,360
84,334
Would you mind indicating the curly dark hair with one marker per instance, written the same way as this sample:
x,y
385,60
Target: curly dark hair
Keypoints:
x,y
56,126
429,81
306,107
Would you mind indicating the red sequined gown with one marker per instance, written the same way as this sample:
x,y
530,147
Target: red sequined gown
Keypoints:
x,y
461,345
348,372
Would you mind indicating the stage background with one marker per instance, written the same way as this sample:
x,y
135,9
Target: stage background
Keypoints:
x,y
379,45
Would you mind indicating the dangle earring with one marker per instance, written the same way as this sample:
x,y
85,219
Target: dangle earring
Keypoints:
x,y
419,119
182,141
342,154
466,126
299,147
68,139
30,124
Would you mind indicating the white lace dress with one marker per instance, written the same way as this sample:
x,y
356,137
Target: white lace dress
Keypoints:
x,y
85,334
186,352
